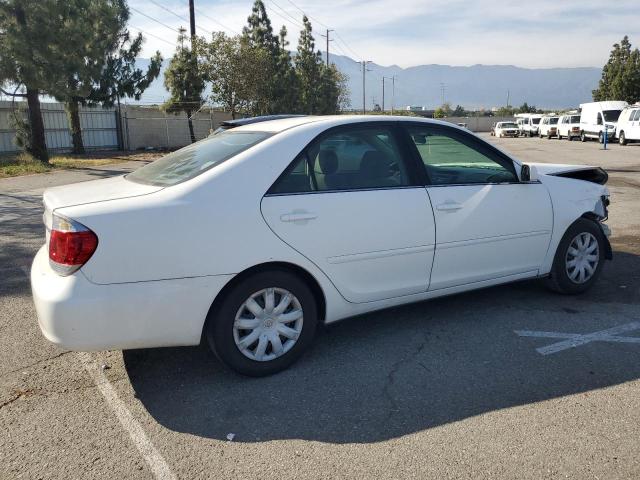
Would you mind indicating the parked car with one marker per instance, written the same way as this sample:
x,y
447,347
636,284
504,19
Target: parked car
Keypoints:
x,y
596,116
506,129
548,126
251,238
569,126
528,124
628,128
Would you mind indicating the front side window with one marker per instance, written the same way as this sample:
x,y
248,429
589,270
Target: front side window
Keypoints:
x,y
636,116
352,159
453,159
191,161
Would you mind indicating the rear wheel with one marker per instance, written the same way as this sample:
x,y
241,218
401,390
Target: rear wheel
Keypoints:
x,y
579,258
601,137
622,139
263,324
583,137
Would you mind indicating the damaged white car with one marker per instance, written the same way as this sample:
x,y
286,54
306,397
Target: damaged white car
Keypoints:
x,y
250,239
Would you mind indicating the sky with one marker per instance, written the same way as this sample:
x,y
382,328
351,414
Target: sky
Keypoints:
x,y
551,33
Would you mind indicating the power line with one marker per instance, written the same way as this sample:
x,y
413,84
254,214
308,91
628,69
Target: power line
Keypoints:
x,y
295,20
177,15
201,13
154,19
308,16
152,35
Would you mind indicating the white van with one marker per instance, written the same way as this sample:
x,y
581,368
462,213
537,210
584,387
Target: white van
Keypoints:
x,y
569,126
628,129
528,123
595,115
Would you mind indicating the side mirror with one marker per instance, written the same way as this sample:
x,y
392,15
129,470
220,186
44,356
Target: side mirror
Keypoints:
x,y
529,173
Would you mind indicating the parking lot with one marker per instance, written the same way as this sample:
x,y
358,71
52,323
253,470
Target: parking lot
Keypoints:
x,y
506,382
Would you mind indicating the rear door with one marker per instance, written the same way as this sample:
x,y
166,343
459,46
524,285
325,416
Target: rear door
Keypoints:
x,y
353,204
488,224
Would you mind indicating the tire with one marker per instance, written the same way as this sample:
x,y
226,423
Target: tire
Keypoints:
x,y
600,137
583,137
622,140
224,339
570,281
569,137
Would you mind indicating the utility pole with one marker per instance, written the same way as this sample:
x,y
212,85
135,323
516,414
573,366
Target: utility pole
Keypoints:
x,y
192,21
393,93
442,89
392,80
508,97
327,35
364,98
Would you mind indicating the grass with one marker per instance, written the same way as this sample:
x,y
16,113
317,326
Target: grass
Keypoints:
x,y
25,164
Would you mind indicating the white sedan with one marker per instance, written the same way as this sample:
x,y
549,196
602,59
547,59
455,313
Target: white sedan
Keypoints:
x,y
250,239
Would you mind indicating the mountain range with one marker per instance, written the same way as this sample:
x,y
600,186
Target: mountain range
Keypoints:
x,y
476,86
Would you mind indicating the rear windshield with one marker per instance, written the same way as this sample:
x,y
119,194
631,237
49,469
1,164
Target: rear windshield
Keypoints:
x,y
575,119
553,120
191,161
611,115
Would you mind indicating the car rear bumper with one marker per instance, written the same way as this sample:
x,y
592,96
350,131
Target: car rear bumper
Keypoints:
x,y
77,314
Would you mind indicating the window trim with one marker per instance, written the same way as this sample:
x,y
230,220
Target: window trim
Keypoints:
x,y
467,139
407,156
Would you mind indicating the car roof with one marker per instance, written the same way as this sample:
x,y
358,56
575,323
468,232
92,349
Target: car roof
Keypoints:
x,y
276,126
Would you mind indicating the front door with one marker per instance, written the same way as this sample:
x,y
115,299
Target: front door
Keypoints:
x,y
351,204
488,224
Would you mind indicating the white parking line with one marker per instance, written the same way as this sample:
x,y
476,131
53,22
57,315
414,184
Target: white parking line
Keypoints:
x,y
152,456
576,339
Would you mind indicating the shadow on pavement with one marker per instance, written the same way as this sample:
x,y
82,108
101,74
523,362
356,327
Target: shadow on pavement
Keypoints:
x,y
407,369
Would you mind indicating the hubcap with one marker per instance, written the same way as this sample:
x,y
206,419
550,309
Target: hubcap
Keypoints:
x,y
268,324
582,257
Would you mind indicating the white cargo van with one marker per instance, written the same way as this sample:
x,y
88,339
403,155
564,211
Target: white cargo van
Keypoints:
x,y
528,123
594,116
628,129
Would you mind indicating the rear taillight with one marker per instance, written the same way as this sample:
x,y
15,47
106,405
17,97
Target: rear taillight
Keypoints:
x,y
71,245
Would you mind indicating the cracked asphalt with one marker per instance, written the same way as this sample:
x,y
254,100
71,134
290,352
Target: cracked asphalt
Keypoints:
x,y
439,389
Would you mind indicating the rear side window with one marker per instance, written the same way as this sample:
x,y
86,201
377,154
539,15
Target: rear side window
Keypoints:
x,y
353,159
191,161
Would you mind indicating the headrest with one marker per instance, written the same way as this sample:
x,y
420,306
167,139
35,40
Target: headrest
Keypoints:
x,y
374,164
328,161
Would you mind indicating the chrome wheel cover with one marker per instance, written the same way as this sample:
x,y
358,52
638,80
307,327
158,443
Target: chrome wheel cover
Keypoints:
x,y
582,258
268,324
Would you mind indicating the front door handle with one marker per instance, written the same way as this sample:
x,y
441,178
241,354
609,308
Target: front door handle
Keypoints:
x,y
297,217
449,206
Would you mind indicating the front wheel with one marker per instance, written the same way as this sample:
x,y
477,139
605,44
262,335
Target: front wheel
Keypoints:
x,y
579,258
622,139
263,324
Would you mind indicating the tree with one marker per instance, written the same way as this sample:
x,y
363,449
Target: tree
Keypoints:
x,y
120,78
525,108
333,91
459,111
287,86
29,42
620,78
236,71
82,61
308,63
185,83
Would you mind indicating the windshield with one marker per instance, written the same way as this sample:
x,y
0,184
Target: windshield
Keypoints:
x,y
611,115
191,161
535,121
508,125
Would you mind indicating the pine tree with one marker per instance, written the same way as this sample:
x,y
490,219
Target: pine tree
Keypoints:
x,y
82,62
28,46
308,70
185,83
620,78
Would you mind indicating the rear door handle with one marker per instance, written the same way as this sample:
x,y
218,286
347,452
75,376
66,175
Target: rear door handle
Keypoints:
x,y
297,217
449,206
